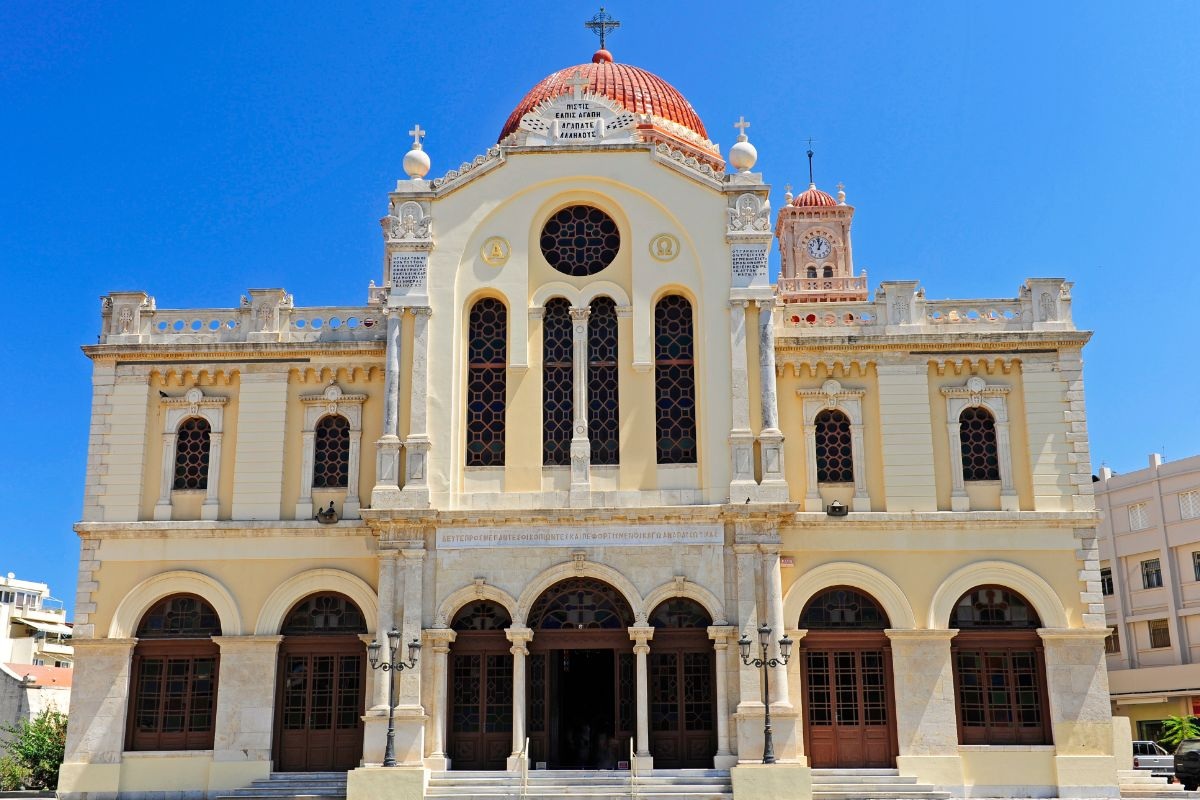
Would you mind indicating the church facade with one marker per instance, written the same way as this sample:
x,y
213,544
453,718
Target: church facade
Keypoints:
x,y
576,445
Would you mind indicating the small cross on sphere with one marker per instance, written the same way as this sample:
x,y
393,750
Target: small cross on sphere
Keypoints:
x,y
741,125
417,135
601,24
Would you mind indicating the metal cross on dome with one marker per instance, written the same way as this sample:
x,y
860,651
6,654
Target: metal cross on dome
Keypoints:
x,y
601,24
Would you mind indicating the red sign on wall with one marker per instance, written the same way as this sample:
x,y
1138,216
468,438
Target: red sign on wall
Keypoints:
x,y
1196,706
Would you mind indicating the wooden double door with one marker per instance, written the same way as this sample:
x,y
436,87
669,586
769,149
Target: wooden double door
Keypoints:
x,y
683,701
479,733
849,702
320,703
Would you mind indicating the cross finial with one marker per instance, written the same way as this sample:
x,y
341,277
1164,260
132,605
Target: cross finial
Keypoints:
x,y
810,155
601,24
741,125
417,135
577,82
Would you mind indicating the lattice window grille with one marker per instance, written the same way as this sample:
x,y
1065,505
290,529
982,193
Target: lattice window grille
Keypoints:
x,y
835,450
603,397
557,383
977,440
1139,517
487,385
192,450
1189,504
675,381
331,452
580,240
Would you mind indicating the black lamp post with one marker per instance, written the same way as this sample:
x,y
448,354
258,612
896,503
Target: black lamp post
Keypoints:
x,y
390,666
765,664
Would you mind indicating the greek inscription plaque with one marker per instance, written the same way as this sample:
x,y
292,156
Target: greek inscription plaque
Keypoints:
x,y
408,270
748,264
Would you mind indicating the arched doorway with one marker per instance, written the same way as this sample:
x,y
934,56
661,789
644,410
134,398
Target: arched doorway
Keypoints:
x,y
481,688
849,703
321,694
683,701
581,679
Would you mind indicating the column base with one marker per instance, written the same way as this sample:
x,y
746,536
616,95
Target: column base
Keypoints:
x,y
210,510
741,491
1010,502
385,496
785,734
643,762
513,764
437,762
771,782
724,761
773,491
162,512
814,504
350,509
387,783
960,503
410,738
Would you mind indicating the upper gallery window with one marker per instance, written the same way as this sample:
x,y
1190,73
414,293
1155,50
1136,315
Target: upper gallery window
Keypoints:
x,y
557,384
835,458
487,384
603,400
191,454
977,438
675,381
331,452
580,240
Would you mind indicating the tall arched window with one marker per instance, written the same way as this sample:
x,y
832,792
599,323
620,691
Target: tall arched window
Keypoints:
x,y
603,401
835,447
557,384
174,694
977,438
675,380
331,452
999,670
487,364
192,445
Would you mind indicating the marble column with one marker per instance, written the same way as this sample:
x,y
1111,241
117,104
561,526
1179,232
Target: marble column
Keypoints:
x,y
581,446
641,637
387,448
520,638
439,641
774,601
721,635
741,441
926,721
245,715
773,486
386,619
417,446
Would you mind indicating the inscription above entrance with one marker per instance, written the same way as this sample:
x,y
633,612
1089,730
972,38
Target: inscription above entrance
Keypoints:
x,y
454,538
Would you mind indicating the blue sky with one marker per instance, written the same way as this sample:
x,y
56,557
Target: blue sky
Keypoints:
x,y
196,150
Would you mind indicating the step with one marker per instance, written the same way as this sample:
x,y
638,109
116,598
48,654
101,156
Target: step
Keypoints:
x,y
860,794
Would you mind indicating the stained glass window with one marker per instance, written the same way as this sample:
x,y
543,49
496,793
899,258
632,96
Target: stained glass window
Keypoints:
x,y
192,444
993,607
603,400
843,608
580,603
557,384
680,612
580,240
835,452
487,364
481,615
326,613
331,452
977,437
675,380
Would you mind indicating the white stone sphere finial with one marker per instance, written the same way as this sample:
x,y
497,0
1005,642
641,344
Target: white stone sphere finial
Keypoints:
x,y
416,161
841,187
742,155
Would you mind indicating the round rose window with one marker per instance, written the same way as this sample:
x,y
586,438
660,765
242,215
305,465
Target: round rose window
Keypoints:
x,y
580,240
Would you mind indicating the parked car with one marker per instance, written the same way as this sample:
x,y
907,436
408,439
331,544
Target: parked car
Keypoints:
x,y
1149,756
1187,764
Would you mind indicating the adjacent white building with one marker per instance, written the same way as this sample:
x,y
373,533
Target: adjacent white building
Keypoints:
x,y
35,650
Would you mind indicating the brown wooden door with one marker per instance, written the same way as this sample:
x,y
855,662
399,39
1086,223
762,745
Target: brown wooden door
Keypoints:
x,y
320,704
682,700
849,702
481,697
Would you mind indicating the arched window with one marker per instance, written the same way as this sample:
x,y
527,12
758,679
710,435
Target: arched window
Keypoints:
x,y
675,380
842,608
557,384
192,445
999,670
487,364
174,694
827,271
482,615
680,612
331,452
812,272
977,438
603,402
580,603
835,448
324,614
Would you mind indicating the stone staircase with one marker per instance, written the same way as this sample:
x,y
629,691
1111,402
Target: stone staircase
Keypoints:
x,y
566,784
868,784
323,785
1141,783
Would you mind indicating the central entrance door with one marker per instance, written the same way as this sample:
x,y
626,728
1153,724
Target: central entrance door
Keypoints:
x,y
320,696
581,681
849,700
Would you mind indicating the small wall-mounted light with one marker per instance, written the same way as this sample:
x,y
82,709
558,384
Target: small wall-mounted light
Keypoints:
x,y
837,509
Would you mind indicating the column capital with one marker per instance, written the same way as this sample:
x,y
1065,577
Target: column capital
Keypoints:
x,y
102,645
413,554
929,635
1077,634
721,634
580,313
738,303
641,635
439,638
253,641
518,634
421,311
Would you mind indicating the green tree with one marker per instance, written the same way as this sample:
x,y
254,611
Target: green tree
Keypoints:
x,y
1176,729
33,752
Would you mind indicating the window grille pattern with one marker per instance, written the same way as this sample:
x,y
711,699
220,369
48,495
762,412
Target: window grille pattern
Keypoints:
x,y
537,692
835,454
580,603
675,380
174,704
977,438
846,687
1151,574
993,607
331,453
1139,519
603,402
180,616
192,445
626,691
843,608
1000,696
1112,642
1160,633
580,240
698,691
1189,504
324,614
483,615
680,612
465,670
487,363
498,694
1106,582
664,692
557,384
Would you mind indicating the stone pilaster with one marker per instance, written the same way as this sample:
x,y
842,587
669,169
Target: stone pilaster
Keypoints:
x,y
773,485
774,600
245,719
741,440
581,447
641,637
96,738
416,447
386,493
386,619
721,636
439,641
926,721
520,638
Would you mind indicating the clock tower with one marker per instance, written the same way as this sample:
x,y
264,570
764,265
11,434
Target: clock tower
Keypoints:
x,y
816,259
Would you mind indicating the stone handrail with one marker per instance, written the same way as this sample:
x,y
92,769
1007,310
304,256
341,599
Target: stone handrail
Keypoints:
x,y
795,288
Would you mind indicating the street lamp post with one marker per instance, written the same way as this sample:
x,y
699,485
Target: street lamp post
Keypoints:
x,y
389,666
766,664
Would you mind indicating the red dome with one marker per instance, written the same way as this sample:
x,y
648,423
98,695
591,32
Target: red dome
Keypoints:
x,y
812,196
636,89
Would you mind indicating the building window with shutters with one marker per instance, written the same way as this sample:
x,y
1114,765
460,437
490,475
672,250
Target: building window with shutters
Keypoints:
x,y
1139,519
1151,574
1196,565
1189,505
1106,582
1160,634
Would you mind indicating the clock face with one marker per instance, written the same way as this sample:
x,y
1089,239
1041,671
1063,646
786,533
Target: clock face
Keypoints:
x,y
819,247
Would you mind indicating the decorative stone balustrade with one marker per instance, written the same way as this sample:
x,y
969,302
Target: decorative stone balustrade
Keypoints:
x,y
800,289
267,315
1043,304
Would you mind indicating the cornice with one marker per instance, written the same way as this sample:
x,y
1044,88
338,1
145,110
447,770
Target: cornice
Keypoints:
x,y
940,521
933,344
226,351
